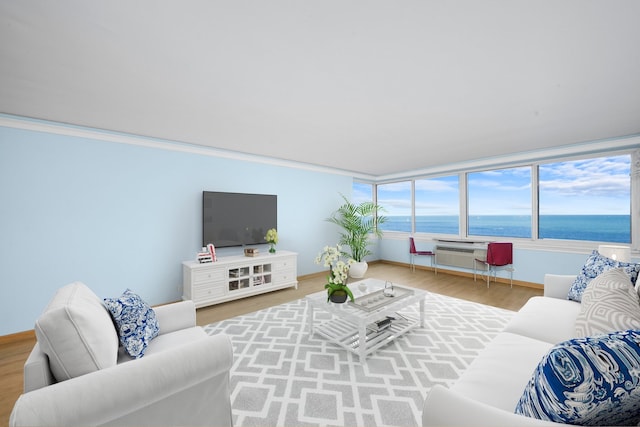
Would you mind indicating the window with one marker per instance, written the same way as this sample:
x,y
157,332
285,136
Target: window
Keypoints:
x,y
586,200
395,198
577,200
437,205
361,192
499,202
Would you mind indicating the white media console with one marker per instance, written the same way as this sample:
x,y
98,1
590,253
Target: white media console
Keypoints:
x,y
237,277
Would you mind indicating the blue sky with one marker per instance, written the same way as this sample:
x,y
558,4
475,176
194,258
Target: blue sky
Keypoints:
x,y
596,186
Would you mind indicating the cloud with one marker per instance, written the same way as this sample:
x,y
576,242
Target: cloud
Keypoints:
x,y
438,184
395,187
602,177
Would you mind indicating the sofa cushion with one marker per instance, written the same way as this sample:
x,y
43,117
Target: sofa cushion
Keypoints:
x,y
546,319
593,266
135,321
587,381
610,303
76,333
504,367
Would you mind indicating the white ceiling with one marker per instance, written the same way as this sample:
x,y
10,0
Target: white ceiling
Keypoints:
x,y
372,86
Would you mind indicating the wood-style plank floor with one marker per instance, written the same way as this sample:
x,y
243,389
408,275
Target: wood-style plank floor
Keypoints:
x,y
14,349
457,286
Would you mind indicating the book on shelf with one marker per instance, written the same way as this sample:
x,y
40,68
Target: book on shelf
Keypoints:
x,y
380,325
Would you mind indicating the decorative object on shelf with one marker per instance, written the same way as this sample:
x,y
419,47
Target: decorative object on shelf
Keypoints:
x,y
204,257
272,239
382,297
251,252
337,289
207,254
388,289
381,325
212,251
357,222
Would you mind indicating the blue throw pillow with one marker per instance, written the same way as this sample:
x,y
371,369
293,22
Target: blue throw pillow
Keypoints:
x,y
588,381
135,321
593,266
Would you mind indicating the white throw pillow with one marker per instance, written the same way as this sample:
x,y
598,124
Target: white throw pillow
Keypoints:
x,y
77,333
609,303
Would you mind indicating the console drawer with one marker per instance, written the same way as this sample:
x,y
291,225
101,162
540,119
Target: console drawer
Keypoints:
x,y
208,275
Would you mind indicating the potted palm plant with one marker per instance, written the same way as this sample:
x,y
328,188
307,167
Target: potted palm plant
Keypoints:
x,y
357,221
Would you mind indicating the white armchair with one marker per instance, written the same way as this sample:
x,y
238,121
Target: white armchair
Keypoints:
x,y
183,379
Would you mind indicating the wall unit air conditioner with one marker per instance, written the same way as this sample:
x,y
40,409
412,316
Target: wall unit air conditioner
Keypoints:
x,y
459,257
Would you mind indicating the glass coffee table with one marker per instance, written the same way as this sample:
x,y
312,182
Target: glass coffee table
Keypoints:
x,y
378,315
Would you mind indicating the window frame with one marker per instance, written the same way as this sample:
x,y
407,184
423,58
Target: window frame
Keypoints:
x,y
534,242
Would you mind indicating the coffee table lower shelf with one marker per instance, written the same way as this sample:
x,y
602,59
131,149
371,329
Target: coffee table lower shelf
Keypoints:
x,y
348,335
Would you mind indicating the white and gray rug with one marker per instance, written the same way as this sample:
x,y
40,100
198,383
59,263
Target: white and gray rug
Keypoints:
x,y
282,376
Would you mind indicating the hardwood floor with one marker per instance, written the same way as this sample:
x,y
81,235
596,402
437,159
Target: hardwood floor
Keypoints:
x,y
463,287
14,349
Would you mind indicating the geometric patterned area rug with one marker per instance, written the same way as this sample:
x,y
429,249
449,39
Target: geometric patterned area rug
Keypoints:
x,y
282,376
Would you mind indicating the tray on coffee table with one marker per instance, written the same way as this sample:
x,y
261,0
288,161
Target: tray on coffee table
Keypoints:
x,y
377,299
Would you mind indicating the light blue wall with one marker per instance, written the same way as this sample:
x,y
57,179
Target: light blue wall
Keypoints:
x,y
119,216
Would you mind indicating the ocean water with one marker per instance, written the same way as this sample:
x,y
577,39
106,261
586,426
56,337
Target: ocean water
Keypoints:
x,y
604,228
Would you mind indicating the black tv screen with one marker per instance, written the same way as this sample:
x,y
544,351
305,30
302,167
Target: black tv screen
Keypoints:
x,y
237,219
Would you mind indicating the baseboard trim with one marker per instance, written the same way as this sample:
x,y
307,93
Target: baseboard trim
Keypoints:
x,y
466,274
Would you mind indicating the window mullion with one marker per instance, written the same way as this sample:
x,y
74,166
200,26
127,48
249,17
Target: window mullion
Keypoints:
x,y
635,201
535,208
462,179
413,206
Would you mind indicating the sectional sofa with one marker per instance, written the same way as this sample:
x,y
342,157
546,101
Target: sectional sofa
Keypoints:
x,y
558,361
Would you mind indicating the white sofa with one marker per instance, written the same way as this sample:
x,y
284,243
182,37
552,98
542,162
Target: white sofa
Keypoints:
x,y
489,390
183,378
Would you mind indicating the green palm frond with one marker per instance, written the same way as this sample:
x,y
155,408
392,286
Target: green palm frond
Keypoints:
x,y
357,222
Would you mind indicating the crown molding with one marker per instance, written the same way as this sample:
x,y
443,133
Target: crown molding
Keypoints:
x,y
612,145
36,125
527,157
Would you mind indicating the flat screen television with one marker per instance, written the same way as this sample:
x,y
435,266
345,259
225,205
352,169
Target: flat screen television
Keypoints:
x,y
237,219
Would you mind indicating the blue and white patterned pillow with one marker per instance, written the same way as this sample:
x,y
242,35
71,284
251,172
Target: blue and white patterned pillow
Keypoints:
x,y
135,321
587,381
593,266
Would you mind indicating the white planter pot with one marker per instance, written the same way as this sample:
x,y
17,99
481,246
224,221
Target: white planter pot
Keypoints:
x,y
358,269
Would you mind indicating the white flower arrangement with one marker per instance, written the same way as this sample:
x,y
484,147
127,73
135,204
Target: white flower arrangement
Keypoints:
x,y
272,236
272,239
330,257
